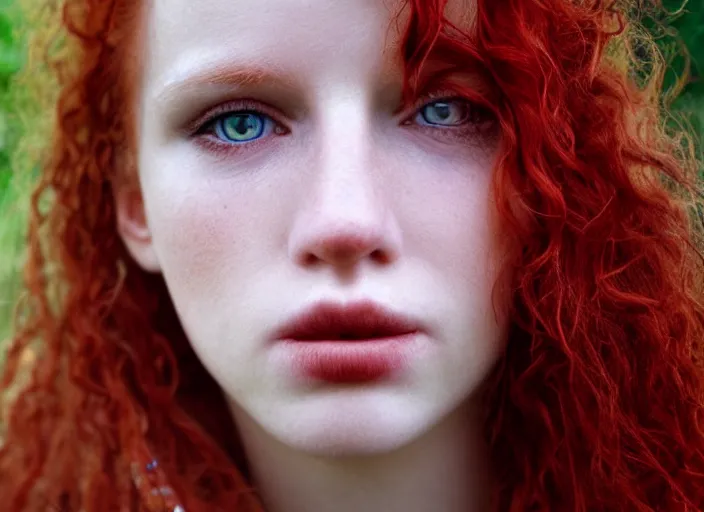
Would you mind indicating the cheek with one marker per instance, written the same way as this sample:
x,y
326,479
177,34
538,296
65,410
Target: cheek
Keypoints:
x,y
203,236
456,230
454,224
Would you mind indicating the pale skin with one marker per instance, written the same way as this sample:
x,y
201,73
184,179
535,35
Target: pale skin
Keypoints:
x,y
320,189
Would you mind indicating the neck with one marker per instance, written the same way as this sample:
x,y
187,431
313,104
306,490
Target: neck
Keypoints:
x,y
444,470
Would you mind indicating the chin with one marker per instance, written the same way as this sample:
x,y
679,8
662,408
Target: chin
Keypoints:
x,y
353,428
364,438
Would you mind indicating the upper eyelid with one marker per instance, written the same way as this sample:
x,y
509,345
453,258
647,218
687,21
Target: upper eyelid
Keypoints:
x,y
420,104
235,106
210,121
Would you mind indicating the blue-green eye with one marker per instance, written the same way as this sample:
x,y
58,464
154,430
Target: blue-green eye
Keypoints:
x,y
240,127
444,113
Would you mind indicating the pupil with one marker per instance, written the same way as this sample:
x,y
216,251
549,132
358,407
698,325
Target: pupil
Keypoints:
x,y
243,124
442,110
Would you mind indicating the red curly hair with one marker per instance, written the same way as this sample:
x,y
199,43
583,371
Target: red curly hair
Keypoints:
x,y
598,401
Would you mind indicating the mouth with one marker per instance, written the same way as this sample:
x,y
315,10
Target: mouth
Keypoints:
x,y
358,343
361,321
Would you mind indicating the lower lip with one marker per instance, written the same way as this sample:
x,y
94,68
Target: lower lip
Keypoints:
x,y
350,362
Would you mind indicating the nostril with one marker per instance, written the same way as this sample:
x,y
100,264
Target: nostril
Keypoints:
x,y
380,256
310,259
344,258
343,248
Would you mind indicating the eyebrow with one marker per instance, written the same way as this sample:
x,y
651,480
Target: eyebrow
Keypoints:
x,y
229,74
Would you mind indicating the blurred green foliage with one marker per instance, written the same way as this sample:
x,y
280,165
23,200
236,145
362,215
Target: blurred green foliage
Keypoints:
x,y
680,34
12,57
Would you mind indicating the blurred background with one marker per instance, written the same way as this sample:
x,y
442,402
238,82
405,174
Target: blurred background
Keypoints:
x,y
679,32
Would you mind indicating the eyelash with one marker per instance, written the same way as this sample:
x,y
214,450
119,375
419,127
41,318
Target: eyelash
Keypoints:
x,y
476,119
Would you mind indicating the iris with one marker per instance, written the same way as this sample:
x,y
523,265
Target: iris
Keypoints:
x,y
240,127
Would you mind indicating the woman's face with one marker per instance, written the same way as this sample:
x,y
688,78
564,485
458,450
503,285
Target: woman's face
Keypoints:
x,y
278,174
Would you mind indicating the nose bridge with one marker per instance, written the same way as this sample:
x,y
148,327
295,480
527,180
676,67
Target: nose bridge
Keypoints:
x,y
344,183
344,216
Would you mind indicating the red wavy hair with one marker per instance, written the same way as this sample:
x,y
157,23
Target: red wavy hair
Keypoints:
x,y
598,401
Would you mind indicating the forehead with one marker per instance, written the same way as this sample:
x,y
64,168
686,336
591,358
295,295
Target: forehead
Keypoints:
x,y
283,34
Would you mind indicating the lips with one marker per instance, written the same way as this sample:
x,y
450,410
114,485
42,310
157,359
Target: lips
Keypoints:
x,y
348,344
359,321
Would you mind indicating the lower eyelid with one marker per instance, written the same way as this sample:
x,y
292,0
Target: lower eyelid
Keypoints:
x,y
216,146
457,133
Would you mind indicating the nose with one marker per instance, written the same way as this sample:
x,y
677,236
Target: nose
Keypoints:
x,y
344,216
345,247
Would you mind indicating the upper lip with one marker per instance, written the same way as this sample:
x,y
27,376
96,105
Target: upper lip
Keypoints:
x,y
355,321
